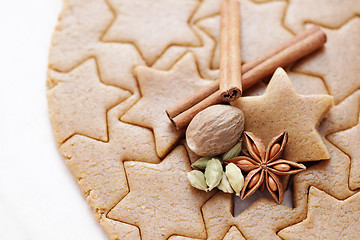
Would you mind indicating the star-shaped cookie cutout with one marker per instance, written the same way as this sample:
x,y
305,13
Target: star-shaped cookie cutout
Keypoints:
x,y
79,101
203,55
333,13
119,230
207,8
217,215
339,66
98,166
281,109
81,25
349,142
343,115
77,38
252,33
153,27
160,90
327,218
161,201
330,176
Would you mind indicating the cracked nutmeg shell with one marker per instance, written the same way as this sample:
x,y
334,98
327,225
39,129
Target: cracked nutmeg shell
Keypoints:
x,y
215,130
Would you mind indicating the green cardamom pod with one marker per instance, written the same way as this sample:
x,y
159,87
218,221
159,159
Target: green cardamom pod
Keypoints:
x,y
225,185
233,152
235,177
197,180
213,173
201,163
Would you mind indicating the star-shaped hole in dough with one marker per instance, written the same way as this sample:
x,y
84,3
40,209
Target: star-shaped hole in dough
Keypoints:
x,y
161,201
333,13
252,33
151,26
339,66
79,101
281,109
160,90
349,142
327,218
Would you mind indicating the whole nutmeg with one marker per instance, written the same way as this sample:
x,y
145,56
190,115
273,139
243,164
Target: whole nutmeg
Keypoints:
x,y
215,130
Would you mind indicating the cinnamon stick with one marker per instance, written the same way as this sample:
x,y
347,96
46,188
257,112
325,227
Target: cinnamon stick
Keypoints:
x,y
253,71
191,100
203,93
256,61
230,60
184,118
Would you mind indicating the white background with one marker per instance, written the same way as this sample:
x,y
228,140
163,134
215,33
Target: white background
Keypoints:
x,y
39,200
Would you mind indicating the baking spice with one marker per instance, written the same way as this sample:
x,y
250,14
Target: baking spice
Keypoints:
x,y
234,152
224,185
230,59
252,72
215,130
213,173
235,177
264,165
197,180
201,163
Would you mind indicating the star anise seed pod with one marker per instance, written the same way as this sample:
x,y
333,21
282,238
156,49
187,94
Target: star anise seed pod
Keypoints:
x,y
264,165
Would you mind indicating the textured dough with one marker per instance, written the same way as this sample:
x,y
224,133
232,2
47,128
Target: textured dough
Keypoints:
x,y
327,218
107,111
281,109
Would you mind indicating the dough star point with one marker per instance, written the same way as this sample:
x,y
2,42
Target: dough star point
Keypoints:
x,y
161,201
87,100
281,109
327,218
154,26
160,90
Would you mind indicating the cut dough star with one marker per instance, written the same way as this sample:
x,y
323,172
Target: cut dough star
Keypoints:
x,y
160,90
207,8
161,201
333,13
234,234
252,33
342,116
77,38
203,54
218,218
349,142
152,27
281,109
79,101
119,230
81,25
326,175
217,215
327,218
339,66
98,166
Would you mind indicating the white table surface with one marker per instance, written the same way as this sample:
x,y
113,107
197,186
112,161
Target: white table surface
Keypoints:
x,y
39,200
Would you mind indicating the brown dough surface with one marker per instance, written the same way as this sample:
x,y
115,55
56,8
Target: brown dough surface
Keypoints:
x,y
116,65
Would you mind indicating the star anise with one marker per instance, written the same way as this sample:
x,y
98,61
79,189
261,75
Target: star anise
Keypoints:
x,y
264,165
